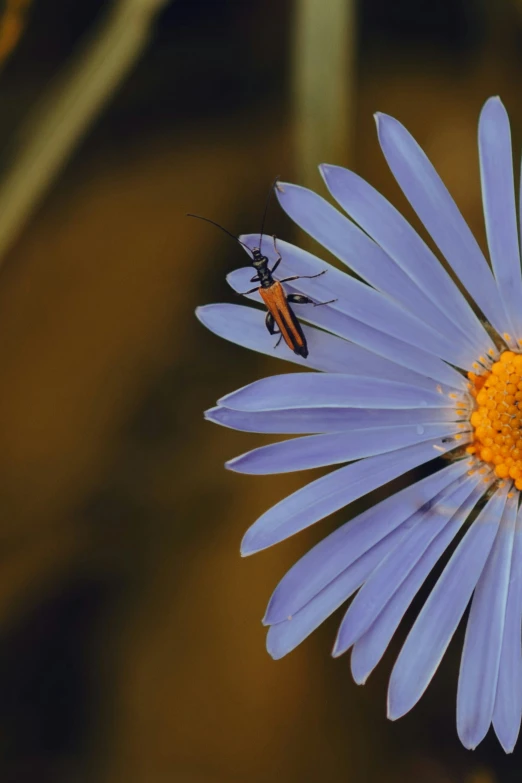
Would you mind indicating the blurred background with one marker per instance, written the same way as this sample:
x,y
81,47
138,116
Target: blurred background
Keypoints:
x,y
131,648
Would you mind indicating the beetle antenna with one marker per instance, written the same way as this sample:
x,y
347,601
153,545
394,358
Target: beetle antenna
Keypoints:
x,y
208,220
272,186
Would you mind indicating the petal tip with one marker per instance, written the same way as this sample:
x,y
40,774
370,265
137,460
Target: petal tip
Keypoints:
x,y
391,713
199,312
469,742
330,170
244,549
506,736
248,240
336,650
326,168
386,124
267,621
282,189
221,403
394,708
493,111
273,652
380,117
360,680
248,546
273,613
206,313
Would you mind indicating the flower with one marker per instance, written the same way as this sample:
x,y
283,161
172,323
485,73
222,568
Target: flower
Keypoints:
x,y
408,372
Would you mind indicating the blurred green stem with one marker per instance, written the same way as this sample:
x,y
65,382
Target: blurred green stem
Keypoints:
x,y
323,67
51,133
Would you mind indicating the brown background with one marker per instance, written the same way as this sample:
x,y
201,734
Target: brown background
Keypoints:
x,y
130,640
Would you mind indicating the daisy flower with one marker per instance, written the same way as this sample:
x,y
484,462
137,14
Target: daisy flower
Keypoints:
x,y
409,369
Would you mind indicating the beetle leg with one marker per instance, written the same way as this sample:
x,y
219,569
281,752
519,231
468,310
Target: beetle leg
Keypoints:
x,y
270,324
303,277
300,299
320,304
278,254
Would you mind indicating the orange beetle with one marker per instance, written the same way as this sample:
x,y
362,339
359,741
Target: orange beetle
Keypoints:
x,y
280,318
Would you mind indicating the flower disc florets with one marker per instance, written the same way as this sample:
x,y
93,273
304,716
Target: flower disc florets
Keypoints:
x,y
497,420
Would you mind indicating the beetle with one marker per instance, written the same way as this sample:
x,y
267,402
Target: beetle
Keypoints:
x,y
280,318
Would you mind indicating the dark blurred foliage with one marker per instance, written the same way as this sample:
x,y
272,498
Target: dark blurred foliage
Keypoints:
x,y
130,642
454,26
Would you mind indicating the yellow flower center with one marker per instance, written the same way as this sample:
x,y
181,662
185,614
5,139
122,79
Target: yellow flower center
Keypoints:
x,y
497,419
